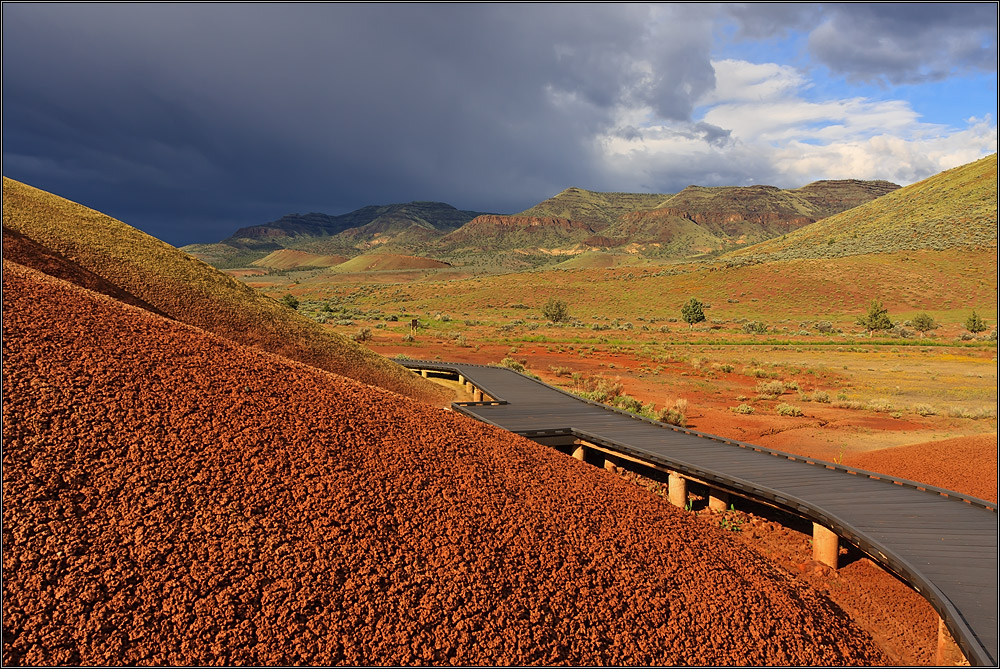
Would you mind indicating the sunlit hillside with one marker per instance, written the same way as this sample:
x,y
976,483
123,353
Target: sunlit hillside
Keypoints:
x,y
954,209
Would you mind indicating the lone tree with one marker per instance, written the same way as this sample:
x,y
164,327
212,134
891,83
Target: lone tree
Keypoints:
x,y
975,324
555,310
877,318
290,301
693,312
923,323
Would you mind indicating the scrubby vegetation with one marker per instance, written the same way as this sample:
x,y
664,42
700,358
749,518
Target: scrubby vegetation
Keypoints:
x,y
556,311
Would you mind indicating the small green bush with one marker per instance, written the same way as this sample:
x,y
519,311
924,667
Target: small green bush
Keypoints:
x,y
923,323
742,409
693,312
770,388
290,301
511,363
556,311
755,327
974,323
787,410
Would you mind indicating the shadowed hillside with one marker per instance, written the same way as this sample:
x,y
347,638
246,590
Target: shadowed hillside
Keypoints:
x,y
181,287
954,209
347,234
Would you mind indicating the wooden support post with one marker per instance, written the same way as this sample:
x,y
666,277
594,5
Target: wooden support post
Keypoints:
x,y
477,395
468,386
826,546
423,373
677,490
718,501
580,453
948,653
610,466
461,380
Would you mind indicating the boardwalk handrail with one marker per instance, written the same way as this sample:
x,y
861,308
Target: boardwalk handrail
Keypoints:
x,y
974,648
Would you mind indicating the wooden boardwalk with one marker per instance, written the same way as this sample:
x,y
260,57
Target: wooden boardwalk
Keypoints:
x,y
943,543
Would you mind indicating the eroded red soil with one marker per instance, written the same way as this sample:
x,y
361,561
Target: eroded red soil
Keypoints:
x,y
171,497
964,464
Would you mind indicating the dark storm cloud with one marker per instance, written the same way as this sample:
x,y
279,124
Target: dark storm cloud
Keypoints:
x,y
168,115
904,43
883,43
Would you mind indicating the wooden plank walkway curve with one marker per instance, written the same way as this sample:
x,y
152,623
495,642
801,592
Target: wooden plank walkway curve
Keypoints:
x,y
943,543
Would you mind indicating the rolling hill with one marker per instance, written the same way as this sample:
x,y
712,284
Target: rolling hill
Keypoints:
x,y
380,262
954,209
76,243
292,258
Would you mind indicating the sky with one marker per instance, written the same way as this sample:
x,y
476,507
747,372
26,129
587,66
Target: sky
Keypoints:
x,y
190,120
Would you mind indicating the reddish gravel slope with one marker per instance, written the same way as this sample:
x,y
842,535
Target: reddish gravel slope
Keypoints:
x,y
171,497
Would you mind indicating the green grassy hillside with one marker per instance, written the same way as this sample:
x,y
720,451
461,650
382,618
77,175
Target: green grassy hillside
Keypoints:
x,y
954,209
177,285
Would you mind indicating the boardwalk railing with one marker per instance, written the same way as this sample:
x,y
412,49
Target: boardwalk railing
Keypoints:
x,y
943,543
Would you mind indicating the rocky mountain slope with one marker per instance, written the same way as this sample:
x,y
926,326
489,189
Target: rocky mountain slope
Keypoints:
x,y
596,209
696,220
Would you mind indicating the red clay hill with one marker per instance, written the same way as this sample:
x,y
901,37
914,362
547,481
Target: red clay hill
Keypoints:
x,y
174,497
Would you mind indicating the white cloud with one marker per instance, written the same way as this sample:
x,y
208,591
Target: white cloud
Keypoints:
x,y
781,138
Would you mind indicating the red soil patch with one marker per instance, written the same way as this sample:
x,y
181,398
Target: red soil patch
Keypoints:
x,y
290,258
171,497
964,464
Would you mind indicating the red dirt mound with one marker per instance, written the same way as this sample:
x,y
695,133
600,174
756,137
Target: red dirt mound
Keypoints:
x,y
291,258
171,497
963,464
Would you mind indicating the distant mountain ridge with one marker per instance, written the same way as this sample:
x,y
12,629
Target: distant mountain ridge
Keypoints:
x,y
350,233
694,221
